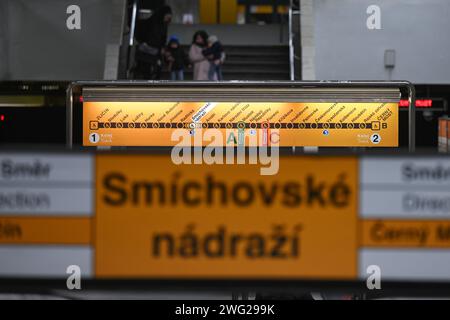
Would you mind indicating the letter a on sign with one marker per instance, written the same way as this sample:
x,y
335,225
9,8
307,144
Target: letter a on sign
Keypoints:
x,y
374,19
74,280
73,21
374,280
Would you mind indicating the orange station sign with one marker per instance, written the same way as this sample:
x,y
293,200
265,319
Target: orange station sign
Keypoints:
x,y
225,221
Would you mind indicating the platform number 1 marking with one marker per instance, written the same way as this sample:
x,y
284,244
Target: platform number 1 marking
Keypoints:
x,y
375,138
94,137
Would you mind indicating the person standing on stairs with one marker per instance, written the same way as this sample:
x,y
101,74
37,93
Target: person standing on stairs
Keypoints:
x,y
215,54
175,59
152,36
200,63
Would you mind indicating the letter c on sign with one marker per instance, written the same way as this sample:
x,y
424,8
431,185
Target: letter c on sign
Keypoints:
x,y
274,140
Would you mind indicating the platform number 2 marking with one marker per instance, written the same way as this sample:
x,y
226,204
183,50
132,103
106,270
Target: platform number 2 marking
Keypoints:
x,y
375,138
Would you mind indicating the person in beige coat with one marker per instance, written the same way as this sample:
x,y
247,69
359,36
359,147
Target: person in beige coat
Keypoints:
x,y
199,62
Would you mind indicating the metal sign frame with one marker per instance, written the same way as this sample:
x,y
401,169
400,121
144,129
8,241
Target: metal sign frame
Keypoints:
x,y
405,85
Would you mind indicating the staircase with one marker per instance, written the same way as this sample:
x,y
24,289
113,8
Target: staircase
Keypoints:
x,y
252,63
256,63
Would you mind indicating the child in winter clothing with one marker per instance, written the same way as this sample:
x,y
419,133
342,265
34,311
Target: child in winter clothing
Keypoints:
x,y
176,59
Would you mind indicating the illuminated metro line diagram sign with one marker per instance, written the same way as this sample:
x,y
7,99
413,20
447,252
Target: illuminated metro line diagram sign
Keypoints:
x,y
339,124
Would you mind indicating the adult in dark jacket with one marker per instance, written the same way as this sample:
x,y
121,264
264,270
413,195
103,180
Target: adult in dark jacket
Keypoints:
x,y
151,34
